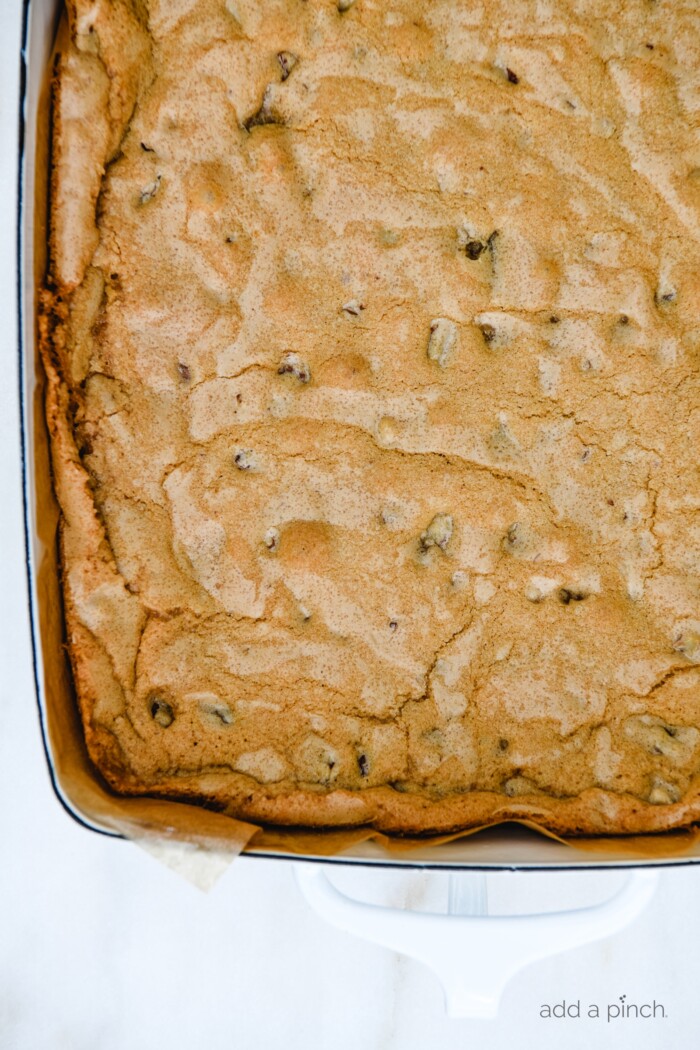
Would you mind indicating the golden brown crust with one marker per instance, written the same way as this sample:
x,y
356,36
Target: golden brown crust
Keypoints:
x,y
375,442
101,64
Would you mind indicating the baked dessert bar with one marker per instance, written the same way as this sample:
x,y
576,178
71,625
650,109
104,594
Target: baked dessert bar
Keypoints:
x,y
372,334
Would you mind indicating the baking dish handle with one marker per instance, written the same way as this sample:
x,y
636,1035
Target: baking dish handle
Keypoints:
x,y
474,954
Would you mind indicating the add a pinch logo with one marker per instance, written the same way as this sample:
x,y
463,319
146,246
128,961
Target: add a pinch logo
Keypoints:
x,y
621,1009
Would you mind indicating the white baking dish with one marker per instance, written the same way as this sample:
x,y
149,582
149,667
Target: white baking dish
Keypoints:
x,y
78,788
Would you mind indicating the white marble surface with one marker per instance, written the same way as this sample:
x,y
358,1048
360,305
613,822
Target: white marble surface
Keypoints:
x,y
103,948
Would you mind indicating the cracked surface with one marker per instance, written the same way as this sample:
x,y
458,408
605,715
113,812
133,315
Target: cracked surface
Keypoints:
x,y
374,398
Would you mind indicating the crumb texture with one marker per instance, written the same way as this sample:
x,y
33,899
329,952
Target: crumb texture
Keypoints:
x,y
373,338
